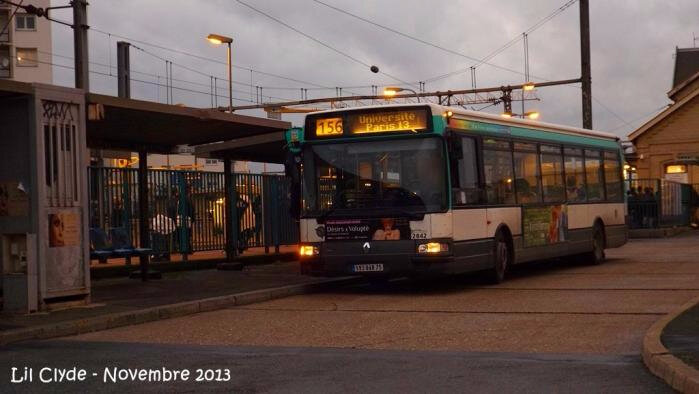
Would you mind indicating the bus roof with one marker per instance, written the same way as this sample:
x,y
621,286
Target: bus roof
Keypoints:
x,y
460,113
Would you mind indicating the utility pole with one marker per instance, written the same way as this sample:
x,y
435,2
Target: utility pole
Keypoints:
x,y
585,64
123,69
82,73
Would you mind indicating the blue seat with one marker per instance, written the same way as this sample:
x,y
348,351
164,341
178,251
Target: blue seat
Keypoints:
x,y
100,247
123,247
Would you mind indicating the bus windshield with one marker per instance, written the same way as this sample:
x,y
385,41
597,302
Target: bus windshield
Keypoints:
x,y
387,177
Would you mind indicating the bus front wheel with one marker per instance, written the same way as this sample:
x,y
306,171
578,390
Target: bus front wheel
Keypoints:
x,y
501,259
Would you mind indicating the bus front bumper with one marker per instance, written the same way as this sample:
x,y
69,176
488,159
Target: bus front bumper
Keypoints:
x,y
384,258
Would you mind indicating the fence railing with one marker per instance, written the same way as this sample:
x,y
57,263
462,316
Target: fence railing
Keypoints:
x,y
187,208
658,203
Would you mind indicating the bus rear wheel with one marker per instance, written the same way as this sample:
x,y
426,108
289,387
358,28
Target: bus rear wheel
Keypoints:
x,y
501,259
596,256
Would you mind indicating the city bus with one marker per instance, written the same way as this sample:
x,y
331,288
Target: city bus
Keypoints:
x,y
414,190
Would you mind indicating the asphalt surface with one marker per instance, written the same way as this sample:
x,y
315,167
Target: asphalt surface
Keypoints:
x,y
116,295
553,326
330,370
681,336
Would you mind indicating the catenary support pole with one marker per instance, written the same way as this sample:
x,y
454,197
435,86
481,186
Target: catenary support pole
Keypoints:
x,y
82,75
123,69
585,64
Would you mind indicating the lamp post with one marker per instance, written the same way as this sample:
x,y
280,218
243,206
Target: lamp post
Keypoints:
x,y
391,91
218,40
533,115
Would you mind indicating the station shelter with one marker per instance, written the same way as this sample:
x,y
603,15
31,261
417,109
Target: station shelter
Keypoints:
x,y
45,204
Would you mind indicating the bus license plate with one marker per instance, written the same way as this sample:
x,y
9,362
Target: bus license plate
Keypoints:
x,y
368,267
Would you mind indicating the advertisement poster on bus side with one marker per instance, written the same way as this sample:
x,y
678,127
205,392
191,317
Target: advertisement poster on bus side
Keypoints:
x,y
544,225
379,229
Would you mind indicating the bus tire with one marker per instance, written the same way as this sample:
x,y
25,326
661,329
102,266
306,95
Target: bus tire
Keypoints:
x,y
501,258
596,256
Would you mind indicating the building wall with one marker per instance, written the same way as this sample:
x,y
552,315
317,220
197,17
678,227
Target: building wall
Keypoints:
x,y
39,39
674,138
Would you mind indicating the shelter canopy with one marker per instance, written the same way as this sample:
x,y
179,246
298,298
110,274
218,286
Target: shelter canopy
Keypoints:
x,y
267,148
127,124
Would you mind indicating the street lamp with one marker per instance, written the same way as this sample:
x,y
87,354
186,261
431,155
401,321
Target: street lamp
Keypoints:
x,y
391,91
529,86
218,40
533,115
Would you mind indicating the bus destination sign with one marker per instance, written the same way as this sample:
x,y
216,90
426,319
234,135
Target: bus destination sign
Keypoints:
x,y
328,127
386,122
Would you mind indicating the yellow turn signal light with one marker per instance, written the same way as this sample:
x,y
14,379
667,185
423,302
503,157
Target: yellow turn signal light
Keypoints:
x,y
433,247
308,250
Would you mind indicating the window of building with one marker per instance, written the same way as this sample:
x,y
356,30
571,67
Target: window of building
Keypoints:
x,y
467,188
575,175
4,18
612,176
27,57
5,62
497,167
676,169
527,185
25,22
552,174
594,176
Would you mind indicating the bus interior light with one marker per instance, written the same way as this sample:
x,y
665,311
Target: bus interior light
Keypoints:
x,y
433,247
308,250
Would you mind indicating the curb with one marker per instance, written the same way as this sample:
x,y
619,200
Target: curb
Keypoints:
x,y
662,363
116,271
121,319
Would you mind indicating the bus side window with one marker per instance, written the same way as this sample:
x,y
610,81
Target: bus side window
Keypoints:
x,y
527,176
612,176
594,175
498,172
467,189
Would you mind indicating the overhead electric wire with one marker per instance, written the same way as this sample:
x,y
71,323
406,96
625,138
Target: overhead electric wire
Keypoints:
x,y
514,40
354,59
200,57
133,71
648,114
453,52
162,85
528,31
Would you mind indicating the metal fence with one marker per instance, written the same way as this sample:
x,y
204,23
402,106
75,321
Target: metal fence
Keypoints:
x,y
659,203
187,208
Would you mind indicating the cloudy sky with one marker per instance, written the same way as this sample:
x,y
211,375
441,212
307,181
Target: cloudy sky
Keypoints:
x,y
632,43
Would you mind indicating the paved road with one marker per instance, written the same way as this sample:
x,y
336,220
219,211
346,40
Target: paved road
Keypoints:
x,y
329,370
551,325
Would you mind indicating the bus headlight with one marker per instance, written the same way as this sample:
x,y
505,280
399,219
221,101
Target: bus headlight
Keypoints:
x,y
433,247
308,251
